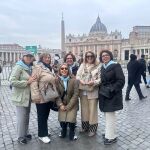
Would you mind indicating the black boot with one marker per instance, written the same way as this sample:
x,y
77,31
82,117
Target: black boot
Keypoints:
x,y
64,129
127,98
72,131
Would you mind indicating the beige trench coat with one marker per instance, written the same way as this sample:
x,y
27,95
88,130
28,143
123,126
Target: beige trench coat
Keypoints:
x,y
44,76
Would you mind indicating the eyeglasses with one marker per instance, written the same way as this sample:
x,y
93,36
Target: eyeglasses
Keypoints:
x,y
69,58
105,55
63,68
89,56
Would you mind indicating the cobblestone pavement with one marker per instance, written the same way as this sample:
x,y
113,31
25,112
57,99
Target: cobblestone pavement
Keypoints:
x,y
133,127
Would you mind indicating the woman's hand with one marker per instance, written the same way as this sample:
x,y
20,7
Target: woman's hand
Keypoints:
x,y
31,79
90,83
62,108
82,82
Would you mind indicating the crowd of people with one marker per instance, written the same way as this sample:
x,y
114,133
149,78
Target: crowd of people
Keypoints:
x,y
64,86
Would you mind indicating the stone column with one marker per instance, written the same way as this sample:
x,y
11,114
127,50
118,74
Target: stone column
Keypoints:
x,y
14,57
10,56
6,56
2,56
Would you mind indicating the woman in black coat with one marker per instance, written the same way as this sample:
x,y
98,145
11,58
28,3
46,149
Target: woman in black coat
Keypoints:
x,y
110,93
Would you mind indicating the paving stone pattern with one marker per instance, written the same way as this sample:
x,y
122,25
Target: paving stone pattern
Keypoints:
x,y
133,127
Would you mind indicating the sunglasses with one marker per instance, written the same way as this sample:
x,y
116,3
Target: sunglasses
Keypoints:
x,y
89,56
63,68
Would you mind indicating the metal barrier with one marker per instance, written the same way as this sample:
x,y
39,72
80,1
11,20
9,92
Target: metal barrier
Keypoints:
x,y
6,71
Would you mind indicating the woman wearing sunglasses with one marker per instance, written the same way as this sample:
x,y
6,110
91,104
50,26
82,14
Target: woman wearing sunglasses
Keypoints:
x,y
89,77
67,87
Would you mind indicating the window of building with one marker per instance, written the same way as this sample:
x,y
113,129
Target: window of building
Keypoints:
x,y
126,56
138,51
142,51
69,40
116,37
146,51
133,51
115,54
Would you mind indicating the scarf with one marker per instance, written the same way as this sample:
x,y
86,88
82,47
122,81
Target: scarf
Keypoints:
x,y
65,81
47,66
108,64
25,66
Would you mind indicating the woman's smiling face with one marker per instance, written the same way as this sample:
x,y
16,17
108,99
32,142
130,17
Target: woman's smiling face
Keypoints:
x,y
64,70
105,58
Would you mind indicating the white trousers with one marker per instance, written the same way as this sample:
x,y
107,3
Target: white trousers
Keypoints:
x,y
110,125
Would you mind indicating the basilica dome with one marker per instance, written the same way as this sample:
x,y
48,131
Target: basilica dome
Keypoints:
x,y
98,27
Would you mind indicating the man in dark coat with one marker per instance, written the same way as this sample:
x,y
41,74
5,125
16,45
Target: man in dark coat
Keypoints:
x,y
148,66
0,69
134,77
143,69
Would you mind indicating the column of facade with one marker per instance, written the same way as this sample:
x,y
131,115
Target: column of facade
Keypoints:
x,y
10,56
6,54
2,56
14,57
18,56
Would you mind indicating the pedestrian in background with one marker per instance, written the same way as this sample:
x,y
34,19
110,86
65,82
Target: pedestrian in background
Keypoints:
x,y
21,79
67,87
71,61
143,69
44,77
148,67
134,77
110,94
89,79
0,69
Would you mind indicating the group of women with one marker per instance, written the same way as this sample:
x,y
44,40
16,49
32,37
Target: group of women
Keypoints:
x,y
89,83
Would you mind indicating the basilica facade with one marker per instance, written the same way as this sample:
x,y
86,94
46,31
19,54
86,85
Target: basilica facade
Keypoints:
x,y
99,39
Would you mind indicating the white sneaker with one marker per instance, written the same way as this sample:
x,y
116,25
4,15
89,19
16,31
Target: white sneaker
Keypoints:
x,y
45,139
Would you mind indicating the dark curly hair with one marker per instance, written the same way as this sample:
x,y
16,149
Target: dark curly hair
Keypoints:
x,y
73,57
105,51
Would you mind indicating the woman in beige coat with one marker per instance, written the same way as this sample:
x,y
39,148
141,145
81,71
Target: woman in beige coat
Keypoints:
x,y
67,87
89,77
44,76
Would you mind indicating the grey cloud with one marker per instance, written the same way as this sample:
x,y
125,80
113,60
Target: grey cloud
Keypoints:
x,y
29,21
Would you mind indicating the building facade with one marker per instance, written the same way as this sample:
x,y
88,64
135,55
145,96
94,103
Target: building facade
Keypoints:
x,y
11,53
99,39
138,43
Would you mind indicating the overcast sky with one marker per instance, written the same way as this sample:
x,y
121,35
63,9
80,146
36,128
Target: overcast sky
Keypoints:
x,y
34,22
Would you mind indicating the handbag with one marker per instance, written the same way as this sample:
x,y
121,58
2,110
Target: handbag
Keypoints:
x,y
54,106
105,91
49,92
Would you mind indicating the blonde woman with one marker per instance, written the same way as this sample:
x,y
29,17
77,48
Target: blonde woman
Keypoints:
x,y
44,76
89,78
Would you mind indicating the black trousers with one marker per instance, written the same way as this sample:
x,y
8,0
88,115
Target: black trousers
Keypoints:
x,y
42,116
144,77
137,87
64,129
149,69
